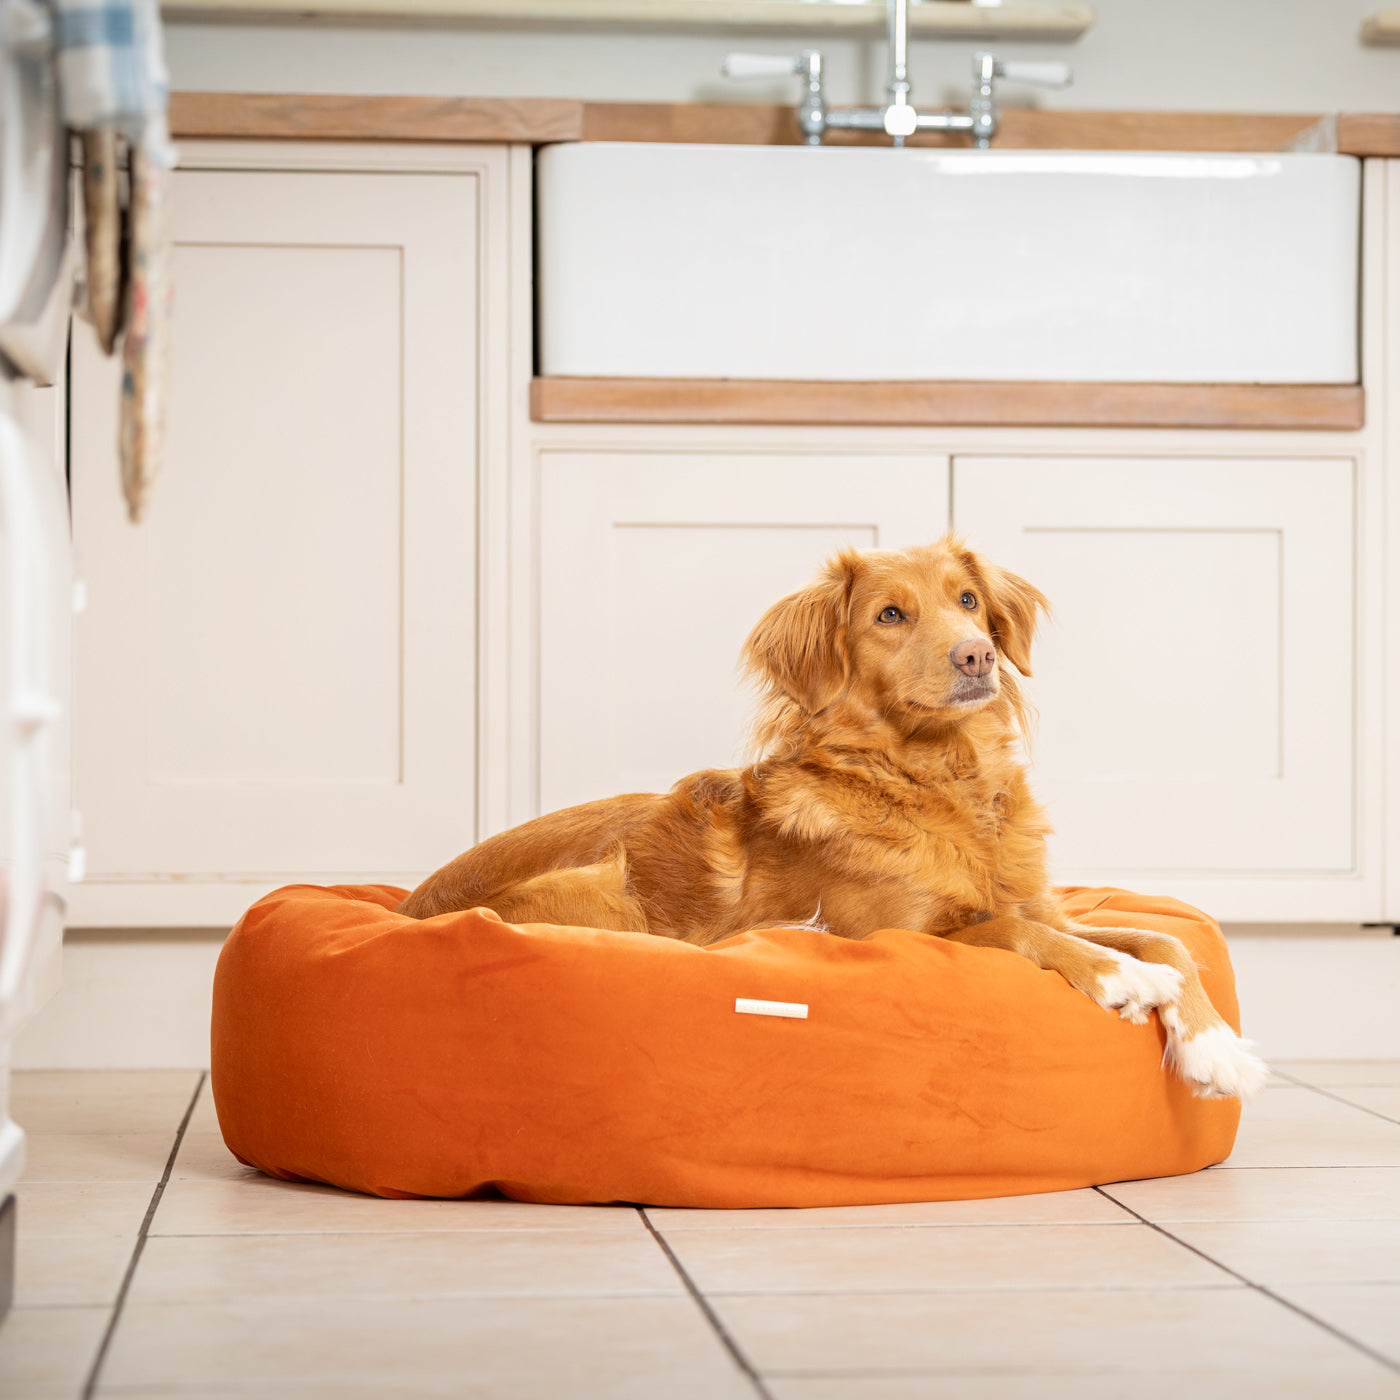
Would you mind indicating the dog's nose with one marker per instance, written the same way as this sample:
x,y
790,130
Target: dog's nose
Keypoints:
x,y
974,656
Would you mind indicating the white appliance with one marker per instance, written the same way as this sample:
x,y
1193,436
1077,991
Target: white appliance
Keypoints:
x,y
36,584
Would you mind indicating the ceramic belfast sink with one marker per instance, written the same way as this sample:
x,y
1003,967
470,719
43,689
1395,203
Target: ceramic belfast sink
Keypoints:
x,y
775,262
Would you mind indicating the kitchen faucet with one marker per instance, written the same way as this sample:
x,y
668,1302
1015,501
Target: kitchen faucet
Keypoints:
x,y
897,119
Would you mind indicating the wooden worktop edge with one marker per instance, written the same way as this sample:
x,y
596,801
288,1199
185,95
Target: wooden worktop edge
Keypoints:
x,y
325,117
943,403
330,117
1022,128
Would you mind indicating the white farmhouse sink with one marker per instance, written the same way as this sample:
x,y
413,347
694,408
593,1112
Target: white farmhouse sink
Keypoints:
x,y
790,262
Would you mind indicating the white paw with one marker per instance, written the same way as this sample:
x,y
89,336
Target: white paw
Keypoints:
x,y
1137,987
1215,1062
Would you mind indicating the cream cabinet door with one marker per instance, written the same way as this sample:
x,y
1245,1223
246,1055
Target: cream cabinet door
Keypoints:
x,y
1198,686
654,566
276,671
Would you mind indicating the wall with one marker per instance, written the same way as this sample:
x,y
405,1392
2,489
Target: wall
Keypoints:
x,y
1190,55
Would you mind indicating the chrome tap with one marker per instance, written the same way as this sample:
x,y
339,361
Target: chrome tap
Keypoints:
x,y
898,119
812,113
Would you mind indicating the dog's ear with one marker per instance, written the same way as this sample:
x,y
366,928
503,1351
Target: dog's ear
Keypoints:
x,y
1013,610
799,645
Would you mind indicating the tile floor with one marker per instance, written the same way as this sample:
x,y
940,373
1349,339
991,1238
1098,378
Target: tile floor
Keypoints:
x,y
1275,1275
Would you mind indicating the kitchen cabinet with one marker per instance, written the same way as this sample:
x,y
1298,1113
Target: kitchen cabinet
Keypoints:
x,y
654,565
277,672
1205,688
1199,688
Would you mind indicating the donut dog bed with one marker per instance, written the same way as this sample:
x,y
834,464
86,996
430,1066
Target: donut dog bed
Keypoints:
x,y
461,1055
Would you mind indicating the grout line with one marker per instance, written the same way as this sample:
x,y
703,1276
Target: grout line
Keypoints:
x,y
1337,1098
1000,1290
1387,1361
703,1303
913,1227
90,1385
968,1372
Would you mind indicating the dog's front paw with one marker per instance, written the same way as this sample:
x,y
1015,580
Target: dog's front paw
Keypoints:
x,y
1215,1062
1134,988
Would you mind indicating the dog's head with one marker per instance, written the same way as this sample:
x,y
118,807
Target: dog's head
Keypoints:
x,y
918,635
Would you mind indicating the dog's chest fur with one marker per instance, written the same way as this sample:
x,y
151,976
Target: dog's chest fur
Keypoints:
x,y
960,837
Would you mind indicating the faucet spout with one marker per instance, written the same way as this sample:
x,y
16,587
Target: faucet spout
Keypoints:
x,y
900,118
899,49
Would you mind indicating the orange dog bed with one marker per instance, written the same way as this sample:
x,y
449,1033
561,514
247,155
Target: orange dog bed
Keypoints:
x,y
458,1054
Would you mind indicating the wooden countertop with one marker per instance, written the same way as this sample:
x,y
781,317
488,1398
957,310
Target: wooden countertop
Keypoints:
x,y
940,403
323,117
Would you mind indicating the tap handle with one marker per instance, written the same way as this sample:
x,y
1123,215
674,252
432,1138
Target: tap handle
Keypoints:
x,y
1044,74
761,65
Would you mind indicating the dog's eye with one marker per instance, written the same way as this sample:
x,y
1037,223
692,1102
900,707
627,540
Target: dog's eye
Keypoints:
x,y
969,601
890,615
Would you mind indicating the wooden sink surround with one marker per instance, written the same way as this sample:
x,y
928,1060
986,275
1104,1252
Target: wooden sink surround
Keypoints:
x,y
948,403
321,117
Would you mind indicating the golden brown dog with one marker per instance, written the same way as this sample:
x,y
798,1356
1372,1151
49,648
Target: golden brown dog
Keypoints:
x,y
889,794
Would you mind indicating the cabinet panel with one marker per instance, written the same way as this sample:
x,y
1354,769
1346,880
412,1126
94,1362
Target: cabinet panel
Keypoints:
x,y
655,567
277,669
266,421
1197,687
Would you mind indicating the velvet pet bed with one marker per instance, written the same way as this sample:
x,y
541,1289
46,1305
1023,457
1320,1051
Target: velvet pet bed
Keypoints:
x,y
458,1055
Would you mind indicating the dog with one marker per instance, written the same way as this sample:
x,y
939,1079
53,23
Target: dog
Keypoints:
x,y
888,792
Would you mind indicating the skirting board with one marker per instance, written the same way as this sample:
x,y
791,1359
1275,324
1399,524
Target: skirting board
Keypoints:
x,y
129,1000
141,999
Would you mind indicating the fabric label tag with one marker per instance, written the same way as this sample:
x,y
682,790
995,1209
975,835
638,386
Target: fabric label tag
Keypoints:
x,y
797,1010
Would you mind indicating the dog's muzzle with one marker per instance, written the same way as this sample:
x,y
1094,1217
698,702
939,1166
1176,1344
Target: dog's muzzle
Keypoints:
x,y
968,690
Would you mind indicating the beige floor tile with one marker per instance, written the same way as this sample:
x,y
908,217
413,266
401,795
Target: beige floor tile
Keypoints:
x,y
1363,1380
91,1157
203,1157
101,1101
1370,1312
482,1263
1051,1208
1267,1193
46,1352
1124,1330
527,1349
1332,1072
82,1208
70,1270
1301,1251
342,1388
204,1115
1385,1101
1356,1380
1297,1127
348,1388
262,1205
950,1258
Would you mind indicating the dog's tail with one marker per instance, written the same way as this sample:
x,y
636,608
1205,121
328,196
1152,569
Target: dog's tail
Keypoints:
x,y
575,839
579,896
